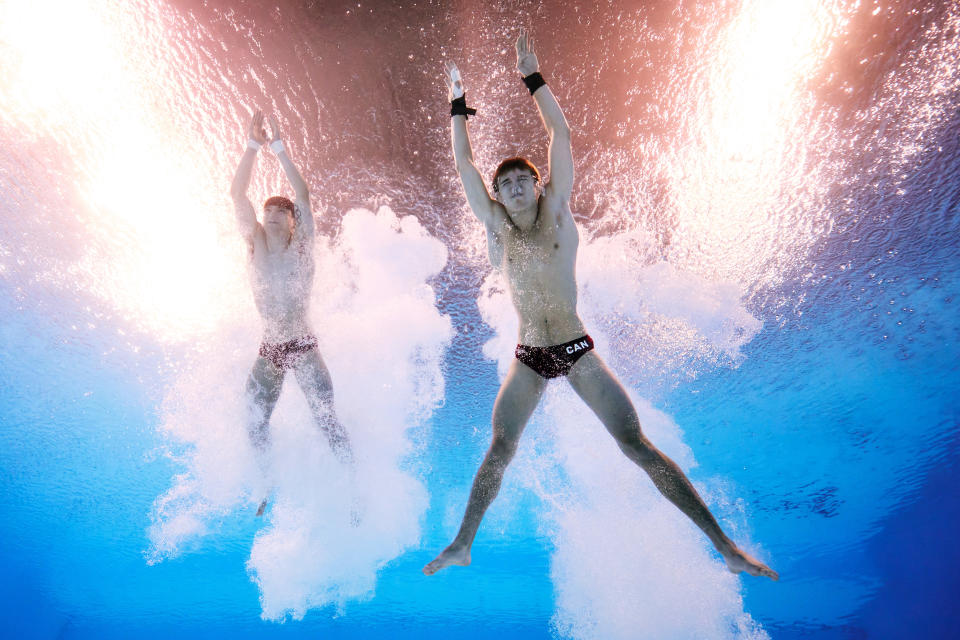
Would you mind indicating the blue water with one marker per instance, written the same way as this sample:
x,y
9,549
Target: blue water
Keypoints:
x,y
827,438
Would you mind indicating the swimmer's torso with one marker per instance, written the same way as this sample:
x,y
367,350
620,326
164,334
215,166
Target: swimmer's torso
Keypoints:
x,y
282,282
540,265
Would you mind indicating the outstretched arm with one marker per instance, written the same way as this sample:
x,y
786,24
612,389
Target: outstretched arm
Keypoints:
x,y
304,222
477,195
246,215
561,152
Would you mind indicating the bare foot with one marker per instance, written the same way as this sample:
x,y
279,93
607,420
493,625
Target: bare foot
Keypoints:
x,y
262,508
457,555
738,561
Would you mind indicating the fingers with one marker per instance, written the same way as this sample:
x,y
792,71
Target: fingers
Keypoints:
x,y
524,46
452,79
452,72
254,127
274,128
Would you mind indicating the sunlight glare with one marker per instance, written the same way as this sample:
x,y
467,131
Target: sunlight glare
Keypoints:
x,y
152,203
752,133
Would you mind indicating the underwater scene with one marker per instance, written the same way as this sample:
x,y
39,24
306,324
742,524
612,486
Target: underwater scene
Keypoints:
x,y
767,197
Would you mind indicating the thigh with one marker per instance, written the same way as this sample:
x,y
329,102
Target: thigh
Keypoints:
x,y
314,377
264,382
518,397
599,388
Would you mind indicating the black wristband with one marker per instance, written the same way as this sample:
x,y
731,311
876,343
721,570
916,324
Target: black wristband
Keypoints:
x,y
534,81
458,107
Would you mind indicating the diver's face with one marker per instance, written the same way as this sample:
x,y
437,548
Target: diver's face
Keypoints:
x,y
517,189
276,217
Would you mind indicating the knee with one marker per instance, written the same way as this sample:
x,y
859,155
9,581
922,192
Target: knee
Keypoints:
x,y
260,399
258,422
323,409
259,410
502,449
631,441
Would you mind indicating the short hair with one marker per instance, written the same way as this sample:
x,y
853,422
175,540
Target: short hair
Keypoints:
x,y
514,163
279,201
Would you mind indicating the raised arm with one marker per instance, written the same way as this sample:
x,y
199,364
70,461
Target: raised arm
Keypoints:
x,y
483,206
304,217
246,215
561,152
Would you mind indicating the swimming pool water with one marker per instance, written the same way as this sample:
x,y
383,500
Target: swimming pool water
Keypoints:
x,y
767,199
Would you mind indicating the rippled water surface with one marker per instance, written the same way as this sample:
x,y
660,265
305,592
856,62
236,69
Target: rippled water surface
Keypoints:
x,y
767,195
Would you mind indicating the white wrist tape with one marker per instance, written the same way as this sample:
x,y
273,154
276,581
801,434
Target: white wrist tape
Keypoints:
x,y
253,144
276,146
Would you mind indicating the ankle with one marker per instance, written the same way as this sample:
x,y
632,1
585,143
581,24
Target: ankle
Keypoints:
x,y
459,545
724,545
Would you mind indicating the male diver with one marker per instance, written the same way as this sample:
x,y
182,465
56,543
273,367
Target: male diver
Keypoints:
x,y
282,268
532,236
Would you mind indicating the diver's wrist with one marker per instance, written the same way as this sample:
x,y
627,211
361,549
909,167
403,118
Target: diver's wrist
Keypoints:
x,y
534,81
458,107
277,146
253,144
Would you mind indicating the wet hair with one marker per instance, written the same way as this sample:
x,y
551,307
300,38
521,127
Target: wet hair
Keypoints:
x,y
514,163
279,201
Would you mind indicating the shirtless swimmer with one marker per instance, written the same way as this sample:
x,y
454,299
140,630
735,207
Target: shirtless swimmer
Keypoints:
x,y
282,268
532,236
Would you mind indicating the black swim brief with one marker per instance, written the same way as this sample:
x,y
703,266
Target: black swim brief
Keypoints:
x,y
556,360
284,355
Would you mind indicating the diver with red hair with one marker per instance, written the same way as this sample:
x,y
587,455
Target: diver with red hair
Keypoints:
x,y
533,238
282,269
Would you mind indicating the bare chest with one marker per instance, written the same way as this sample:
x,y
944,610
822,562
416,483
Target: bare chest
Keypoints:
x,y
541,254
283,270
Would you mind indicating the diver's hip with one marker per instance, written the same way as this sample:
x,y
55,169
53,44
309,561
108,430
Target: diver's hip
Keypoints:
x,y
550,328
277,330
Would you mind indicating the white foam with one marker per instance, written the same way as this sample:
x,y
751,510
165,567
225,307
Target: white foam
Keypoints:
x,y
626,562
626,559
615,279
383,341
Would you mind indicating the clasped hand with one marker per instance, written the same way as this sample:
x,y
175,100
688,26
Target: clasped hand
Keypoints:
x,y
258,134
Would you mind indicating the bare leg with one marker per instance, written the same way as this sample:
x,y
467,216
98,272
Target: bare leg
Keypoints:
x,y
314,379
599,388
515,403
263,390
